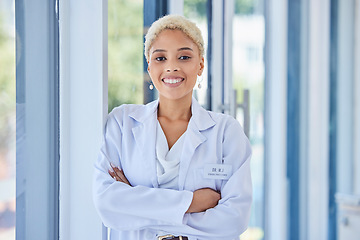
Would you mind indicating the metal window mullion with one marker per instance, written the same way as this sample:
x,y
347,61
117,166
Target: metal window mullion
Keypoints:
x,y
37,120
54,116
357,101
209,53
275,119
176,7
216,63
293,117
333,118
304,106
228,92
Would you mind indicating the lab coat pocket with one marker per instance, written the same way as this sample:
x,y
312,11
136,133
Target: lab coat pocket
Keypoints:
x,y
202,182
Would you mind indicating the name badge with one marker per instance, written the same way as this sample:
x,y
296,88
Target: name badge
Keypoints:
x,y
217,171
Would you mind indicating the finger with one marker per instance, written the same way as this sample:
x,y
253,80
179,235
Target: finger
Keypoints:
x,y
112,174
113,166
121,175
115,170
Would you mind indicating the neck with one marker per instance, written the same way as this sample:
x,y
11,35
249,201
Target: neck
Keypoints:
x,y
179,109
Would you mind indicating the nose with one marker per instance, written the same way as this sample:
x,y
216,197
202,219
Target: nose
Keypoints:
x,y
172,67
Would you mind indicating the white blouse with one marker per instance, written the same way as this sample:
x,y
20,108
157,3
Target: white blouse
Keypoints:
x,y
168,161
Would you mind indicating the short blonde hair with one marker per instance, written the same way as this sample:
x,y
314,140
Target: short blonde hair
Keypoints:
x,y
173,22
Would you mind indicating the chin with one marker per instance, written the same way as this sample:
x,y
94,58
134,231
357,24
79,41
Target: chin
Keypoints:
x,y
174,97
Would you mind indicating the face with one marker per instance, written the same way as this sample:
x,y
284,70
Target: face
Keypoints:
x,y
174,64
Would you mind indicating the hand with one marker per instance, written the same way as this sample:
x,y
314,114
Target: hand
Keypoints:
x,y
203,199
118,175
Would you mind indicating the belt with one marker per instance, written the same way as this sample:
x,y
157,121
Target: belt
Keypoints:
x,y
171,237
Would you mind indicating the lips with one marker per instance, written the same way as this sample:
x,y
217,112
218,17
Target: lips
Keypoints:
x,y
172,81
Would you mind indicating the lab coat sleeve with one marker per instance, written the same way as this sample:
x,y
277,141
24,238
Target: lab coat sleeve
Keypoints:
x,y
231,216
123,207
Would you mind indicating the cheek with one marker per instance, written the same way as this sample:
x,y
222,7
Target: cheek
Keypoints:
x,y
196,67
194,71
152,70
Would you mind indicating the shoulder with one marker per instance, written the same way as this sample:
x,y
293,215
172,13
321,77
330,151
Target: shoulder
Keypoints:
x,y
228,128
224,120
132,113
211,121
234,141
122,114
124,110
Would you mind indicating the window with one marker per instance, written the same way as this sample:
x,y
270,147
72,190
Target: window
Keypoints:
x,y
196,11
37,120
7,120
249,74
125,52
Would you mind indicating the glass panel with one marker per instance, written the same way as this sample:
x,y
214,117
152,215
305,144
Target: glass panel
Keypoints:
x,y
125,50
196,12
7,120
248,73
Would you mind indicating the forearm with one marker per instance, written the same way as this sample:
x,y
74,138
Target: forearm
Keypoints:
x,y
115,201
203,199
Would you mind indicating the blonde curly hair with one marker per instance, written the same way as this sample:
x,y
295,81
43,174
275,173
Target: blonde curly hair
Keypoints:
x,y
173,22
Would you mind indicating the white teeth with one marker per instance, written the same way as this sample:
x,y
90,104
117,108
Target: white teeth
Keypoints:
x,y
171,80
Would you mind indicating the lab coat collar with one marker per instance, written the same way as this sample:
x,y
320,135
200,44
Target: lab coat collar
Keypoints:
x,y
200,117
145,111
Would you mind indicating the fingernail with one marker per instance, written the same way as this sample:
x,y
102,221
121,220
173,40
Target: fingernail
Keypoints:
x,y
112,165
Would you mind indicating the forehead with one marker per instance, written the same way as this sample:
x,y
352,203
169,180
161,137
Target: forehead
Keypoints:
x,y
169,38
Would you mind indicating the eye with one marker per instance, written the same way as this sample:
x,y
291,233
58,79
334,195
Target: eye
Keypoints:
x,y
184,57
160,59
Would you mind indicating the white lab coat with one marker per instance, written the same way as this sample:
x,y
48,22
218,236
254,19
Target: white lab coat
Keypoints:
x,y
144,210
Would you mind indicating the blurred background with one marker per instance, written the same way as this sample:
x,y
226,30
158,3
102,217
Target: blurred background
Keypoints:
x,y
7,120
287,70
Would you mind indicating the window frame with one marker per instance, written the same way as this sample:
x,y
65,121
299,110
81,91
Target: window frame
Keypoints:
x,y
37,119
83,112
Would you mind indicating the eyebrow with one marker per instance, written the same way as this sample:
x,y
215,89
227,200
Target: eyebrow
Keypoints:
x,y
185,48
159,50
180,49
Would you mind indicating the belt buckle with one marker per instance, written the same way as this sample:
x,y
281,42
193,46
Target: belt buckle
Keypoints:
x,y
165,236
168,236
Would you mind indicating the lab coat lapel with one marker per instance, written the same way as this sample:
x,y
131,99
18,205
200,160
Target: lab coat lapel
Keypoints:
x,y
145,135
192,140
199,122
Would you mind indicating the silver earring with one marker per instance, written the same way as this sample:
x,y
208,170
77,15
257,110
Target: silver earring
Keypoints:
x,y
151,86
199,80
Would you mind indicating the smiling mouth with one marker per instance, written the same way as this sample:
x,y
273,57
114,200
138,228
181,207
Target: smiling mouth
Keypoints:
x,y
172,80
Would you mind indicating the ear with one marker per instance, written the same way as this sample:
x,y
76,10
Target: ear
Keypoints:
x,y
202,65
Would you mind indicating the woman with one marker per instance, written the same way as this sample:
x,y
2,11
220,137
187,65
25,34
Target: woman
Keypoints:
x,y
170,169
